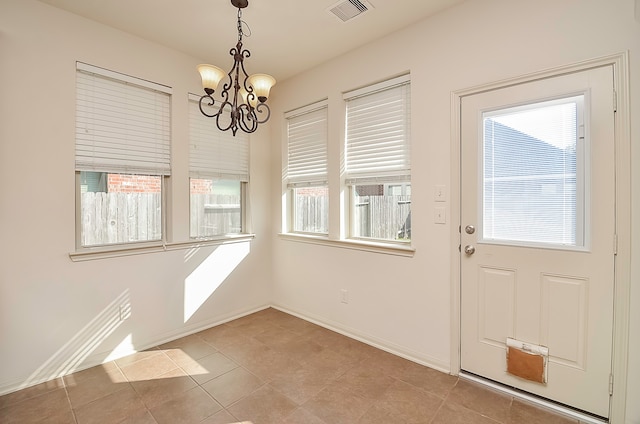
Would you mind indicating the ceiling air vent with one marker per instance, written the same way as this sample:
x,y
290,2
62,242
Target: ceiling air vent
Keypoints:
x,y
346,10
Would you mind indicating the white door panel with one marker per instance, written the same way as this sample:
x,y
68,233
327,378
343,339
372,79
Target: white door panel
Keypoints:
x,y
545,275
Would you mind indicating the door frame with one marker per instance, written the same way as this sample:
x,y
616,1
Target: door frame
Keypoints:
x,y
622,261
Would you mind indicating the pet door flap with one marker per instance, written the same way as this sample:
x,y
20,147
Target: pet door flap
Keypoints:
x,y
527,361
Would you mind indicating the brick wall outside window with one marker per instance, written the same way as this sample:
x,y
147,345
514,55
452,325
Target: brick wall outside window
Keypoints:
x,y
200,186
118,183
312,191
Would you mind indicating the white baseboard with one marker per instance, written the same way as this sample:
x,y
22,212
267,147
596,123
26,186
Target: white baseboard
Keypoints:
x,y
376,342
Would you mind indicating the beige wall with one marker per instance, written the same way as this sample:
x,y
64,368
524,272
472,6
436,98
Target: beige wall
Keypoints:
x,y
52,309
56,314
404,304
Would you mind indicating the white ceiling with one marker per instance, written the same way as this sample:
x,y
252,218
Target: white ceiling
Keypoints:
x,y
288,36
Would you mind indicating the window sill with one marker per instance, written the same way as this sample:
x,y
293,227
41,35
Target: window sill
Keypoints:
x,y
102,252
364,245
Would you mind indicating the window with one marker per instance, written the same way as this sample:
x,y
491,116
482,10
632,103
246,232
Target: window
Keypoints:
x,y
534,173
307,168
219,173
122,157
377,160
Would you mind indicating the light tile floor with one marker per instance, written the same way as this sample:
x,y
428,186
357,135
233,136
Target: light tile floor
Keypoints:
x,y
265,368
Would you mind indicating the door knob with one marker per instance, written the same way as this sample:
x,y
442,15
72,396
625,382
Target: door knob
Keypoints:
x,y
469,229
469,249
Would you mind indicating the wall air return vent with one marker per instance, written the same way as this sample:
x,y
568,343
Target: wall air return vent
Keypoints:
x,y
345,10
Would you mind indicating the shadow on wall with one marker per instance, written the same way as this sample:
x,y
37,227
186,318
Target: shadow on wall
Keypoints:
x,y
199,286
84,342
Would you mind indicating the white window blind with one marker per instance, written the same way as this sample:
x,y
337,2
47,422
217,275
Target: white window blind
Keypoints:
x,y
307,145
378,132
534,173
123,124
213,153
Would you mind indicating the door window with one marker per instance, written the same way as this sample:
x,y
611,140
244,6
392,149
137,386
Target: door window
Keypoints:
x,y
533,188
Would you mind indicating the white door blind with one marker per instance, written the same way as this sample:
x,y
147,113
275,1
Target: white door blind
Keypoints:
x,y
122,123
213,153
307,146
534,173
378,132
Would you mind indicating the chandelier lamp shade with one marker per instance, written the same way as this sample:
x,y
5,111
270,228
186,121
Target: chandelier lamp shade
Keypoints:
x,y
242,101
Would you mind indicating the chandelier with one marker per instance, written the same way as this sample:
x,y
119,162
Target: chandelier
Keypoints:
x,y
243,97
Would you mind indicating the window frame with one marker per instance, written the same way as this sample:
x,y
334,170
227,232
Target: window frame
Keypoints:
x,y
583,174
220,174
399,174
353,205
243,215
315,178
85,162
115,247
294,210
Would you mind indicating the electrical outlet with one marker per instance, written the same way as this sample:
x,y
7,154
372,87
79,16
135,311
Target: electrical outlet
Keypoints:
x,y
439,215
344,296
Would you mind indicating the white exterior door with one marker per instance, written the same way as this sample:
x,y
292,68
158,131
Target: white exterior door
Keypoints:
x,y
538,236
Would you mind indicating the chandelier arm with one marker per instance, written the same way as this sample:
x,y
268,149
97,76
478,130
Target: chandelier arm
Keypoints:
x,y
245,54
259,109
210,104
228,84
247,116
222,107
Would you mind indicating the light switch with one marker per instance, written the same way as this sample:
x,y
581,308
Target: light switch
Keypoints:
x,y
439,193
440,215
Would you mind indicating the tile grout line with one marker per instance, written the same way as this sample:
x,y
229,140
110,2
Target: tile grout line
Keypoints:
x,y
73,411
132,387
435,415
200,385
472,410
66,392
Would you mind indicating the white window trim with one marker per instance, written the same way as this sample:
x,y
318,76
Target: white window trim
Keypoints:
x,y
338,237
383,85
239,172
244,221
116,247
368,245
372,240
81,66
107,164
359,178
301,182
89,254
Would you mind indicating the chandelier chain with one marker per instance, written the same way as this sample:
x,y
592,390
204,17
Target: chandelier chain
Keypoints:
x,y
241,25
